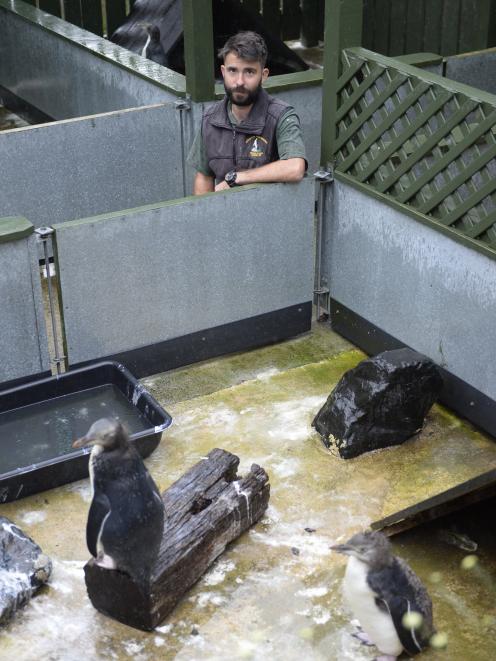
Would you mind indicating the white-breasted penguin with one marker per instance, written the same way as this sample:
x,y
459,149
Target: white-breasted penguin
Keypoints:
x,y
381,589
126,516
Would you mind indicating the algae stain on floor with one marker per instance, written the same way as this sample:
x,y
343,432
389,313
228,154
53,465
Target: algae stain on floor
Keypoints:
x,y
275,592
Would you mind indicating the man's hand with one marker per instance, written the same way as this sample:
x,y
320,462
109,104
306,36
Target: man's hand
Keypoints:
x,y
221,186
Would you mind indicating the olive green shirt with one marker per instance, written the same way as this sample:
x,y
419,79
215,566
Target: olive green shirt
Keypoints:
x,y
288,137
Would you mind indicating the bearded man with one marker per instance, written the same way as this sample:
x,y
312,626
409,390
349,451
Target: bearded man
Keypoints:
x,y
249,137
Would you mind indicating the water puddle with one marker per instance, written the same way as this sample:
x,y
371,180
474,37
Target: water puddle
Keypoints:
x,y
46,429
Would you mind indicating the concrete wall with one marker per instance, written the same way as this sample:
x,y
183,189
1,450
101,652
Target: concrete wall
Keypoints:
x,y
75,168
428,291
143,276
475,69
23,343
67,72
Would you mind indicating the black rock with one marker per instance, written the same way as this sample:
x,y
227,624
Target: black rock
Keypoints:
x,y
380,402
23,568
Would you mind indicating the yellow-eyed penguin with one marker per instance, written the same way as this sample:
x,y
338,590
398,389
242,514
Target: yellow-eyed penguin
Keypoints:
x,y
381,589
126,517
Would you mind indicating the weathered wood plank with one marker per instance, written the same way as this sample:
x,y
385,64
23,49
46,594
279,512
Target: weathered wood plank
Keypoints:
x,y
432,25
382,23
291,18
205,510
398,27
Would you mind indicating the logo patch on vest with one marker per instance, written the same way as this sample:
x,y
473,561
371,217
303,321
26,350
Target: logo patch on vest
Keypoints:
x,y
258,145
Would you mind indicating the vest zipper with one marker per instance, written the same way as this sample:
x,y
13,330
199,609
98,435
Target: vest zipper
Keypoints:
x,y
234,146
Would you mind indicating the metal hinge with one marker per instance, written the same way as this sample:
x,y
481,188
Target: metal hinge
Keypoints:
x,y
323,176
182,104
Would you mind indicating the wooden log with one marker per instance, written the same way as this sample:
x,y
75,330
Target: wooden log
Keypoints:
x,y
205,509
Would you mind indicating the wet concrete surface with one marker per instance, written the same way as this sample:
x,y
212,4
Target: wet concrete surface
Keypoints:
x,y
275,593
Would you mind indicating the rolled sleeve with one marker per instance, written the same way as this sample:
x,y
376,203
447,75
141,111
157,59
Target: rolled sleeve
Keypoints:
x,y
197,157
289,136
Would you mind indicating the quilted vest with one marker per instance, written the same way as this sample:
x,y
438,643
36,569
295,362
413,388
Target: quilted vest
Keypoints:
x,y
242,146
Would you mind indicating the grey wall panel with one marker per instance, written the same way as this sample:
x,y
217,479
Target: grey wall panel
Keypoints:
x,y
430,292
65,79
475,69
23,343
144,276
308,104
87,166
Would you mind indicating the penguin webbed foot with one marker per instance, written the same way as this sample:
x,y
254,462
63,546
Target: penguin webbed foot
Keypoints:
x,y
385,657
363,637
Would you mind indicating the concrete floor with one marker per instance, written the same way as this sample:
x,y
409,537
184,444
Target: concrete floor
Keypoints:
x,y
275,592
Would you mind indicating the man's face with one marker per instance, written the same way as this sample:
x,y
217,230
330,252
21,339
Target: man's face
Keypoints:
x,y
242,79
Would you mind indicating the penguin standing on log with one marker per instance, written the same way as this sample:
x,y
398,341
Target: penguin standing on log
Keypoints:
x,y
126,517
387,597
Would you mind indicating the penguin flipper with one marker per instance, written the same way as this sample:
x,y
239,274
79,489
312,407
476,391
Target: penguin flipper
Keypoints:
x,y
397,590
100,507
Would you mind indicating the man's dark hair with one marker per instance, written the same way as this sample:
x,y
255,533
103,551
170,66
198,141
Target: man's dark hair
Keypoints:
x,y
247,45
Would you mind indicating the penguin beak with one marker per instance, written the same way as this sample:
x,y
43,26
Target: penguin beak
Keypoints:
x,y
82,442
342,548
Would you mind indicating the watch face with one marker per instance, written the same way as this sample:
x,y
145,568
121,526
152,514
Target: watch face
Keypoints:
x,y
230,177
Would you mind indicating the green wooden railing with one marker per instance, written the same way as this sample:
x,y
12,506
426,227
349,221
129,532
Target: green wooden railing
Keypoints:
x,y
419,141
287,19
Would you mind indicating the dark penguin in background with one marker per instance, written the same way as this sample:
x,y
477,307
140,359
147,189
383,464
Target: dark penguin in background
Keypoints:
x,y
126,517
153,48
381,589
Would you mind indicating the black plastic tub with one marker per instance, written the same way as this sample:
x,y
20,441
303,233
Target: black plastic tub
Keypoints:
x,y
40,420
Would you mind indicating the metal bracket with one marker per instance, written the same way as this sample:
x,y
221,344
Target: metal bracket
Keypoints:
x,y
323,176
321,292
182,104
44,233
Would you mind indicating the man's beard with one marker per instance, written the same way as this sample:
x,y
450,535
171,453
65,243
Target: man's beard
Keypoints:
x,y
249,99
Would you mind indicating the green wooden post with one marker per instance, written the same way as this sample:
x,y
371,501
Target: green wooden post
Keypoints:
x,y
199,49
51,7
272,17
116,14
343,29
309,23
72,12
291,18
87,14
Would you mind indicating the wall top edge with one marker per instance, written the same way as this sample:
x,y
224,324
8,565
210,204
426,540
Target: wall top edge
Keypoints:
x,y
102,48
122,213
13,228
284,82
147,207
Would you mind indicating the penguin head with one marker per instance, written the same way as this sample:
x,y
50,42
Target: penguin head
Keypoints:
x,y
108,434
372,548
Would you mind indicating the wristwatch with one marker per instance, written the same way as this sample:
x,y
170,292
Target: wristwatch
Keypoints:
x,y
230,178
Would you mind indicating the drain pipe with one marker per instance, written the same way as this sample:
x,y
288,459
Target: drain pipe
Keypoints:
x,y
44,233
323,177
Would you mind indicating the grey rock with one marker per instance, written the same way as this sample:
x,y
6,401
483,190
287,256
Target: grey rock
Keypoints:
x,y
23,568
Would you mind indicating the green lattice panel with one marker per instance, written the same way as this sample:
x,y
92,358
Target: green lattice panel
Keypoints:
x,y
420,140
